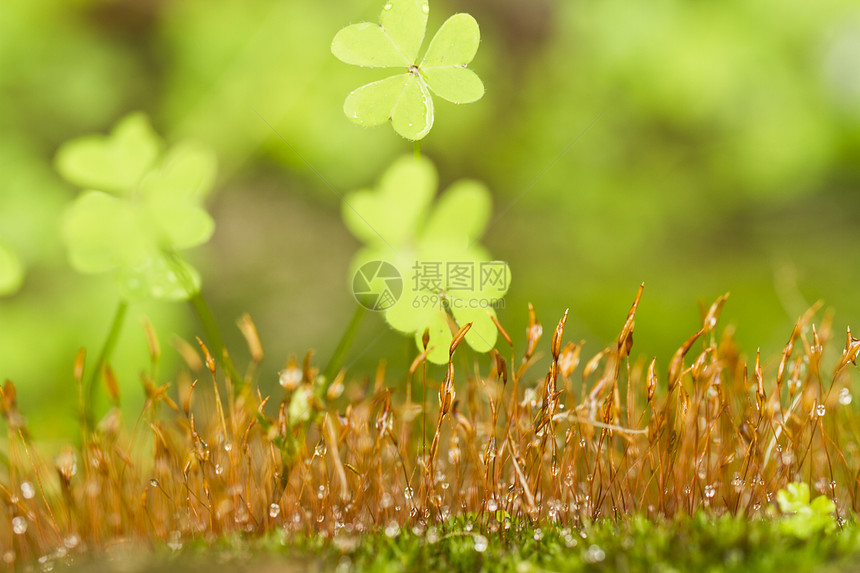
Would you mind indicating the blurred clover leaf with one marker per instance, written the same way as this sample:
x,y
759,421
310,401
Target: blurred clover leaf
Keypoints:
x,y
405,99
138,209
804,519
448,280
11,271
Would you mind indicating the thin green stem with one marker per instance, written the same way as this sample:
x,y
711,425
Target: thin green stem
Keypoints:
x,y
104,356
417,147
213,336
334,364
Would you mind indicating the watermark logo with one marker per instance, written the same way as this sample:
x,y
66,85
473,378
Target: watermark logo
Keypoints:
x,y
443,285
377,285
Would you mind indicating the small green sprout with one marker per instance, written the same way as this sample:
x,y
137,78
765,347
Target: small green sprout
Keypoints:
x,y
136,212
405,99
448,280
804,519
11,271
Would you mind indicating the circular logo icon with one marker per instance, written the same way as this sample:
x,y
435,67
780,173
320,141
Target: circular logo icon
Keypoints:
x,y
377,285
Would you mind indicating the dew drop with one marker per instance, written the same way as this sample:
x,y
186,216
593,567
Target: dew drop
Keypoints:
x,y
845,396
27,490
492,505
153,482
408,493
175,541
274,510
392,529
432,536
820,410
710,491
594,554
481,543
387,6
19,525
425,8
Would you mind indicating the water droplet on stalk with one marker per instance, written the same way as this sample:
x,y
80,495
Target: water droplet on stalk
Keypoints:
x,y
19,525
27,490
274,510
481,543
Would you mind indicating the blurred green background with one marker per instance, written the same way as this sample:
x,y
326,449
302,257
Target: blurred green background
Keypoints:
x,y
699,147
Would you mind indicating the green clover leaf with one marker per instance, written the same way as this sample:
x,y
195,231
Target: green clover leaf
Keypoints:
x,y
113,163
11,271
448,280
137,212
406,99
804,519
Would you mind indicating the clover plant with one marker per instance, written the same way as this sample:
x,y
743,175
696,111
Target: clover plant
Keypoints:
x,y
804,519
420,259
405,99
445,274
138,209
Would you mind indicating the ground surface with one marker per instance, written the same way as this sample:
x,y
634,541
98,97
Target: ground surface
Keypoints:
x,y
698,544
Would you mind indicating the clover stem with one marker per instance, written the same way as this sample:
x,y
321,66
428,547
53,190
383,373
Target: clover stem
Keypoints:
x,y
343,346
417,147
103,357
213,334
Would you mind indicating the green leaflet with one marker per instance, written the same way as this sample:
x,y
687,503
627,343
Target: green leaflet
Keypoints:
x,y
448,280
405,99
113,163
133,225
